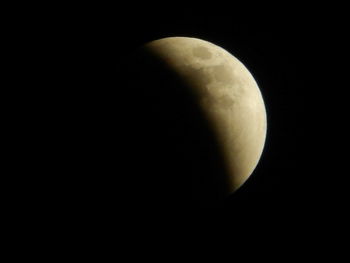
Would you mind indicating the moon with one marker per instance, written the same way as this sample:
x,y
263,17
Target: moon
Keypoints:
x,y
228,96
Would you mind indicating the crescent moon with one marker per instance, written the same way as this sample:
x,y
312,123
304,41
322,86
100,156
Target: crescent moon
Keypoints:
x,y
228,95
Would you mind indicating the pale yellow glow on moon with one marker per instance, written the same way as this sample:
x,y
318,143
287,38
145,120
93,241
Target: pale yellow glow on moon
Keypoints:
x,y
227,93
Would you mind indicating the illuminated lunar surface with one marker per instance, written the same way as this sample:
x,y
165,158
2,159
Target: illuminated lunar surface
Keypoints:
x,y
227,94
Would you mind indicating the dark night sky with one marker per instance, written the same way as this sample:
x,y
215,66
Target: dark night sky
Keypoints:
x,y
102,120
103,166
275,54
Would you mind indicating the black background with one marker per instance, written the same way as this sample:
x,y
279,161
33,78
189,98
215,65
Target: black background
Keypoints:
x,y
107,144
96,168
276,54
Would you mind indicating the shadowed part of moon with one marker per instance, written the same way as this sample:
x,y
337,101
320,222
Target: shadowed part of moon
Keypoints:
x,y
174,142
197,76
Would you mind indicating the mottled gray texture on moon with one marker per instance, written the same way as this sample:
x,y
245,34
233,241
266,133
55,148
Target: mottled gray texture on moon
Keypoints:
x,y
227,93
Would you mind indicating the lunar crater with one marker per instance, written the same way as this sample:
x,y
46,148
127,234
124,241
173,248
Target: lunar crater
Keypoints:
x,y
201,52
222,74
226,101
